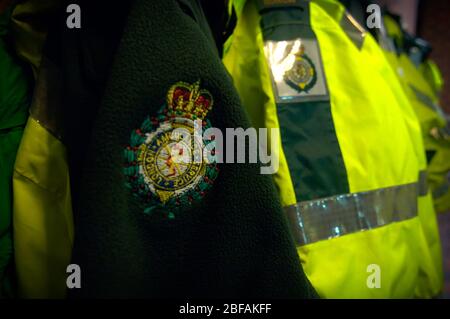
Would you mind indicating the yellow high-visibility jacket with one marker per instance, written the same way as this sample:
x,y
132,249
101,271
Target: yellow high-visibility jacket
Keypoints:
x,y
42,208
349,145
439,169
422,86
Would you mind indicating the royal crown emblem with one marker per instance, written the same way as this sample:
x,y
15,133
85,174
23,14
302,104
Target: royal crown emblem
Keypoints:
x,y
302,76
189,100
166,165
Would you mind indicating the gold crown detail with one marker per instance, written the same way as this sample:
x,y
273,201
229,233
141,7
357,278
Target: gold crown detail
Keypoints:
x,y
184,99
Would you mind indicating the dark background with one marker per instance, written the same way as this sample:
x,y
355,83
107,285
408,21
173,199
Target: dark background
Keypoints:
x,y
434,26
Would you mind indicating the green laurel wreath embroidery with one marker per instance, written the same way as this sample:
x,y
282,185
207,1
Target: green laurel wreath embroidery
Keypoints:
x,y
309,86
139,188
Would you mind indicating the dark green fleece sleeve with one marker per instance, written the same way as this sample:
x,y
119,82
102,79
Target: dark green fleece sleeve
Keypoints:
x,y
236,243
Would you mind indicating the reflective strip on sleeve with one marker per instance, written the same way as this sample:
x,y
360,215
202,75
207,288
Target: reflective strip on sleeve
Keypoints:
x,y
423,183
441,190
336,216
427,101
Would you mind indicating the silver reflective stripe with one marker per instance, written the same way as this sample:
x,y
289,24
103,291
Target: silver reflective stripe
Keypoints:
x,y
426,100
353,29
441,190
423,183
340,215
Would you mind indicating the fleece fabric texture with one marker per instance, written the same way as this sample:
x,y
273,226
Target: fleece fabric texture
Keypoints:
x,y
84,57
236,243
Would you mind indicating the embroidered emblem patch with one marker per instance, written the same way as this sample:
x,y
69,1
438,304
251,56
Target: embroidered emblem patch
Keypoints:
x,y
302,76
166,162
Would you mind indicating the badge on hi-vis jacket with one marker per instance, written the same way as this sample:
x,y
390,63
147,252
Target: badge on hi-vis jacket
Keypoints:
x,y
166,163
302,76
296,70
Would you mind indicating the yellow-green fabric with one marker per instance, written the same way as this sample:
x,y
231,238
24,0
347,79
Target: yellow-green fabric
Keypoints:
x,y
244,58
432,75
411,76
42,211
394,30
425,80
439,177
439,170
432,276
43,226
372,130
439,167
431,280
